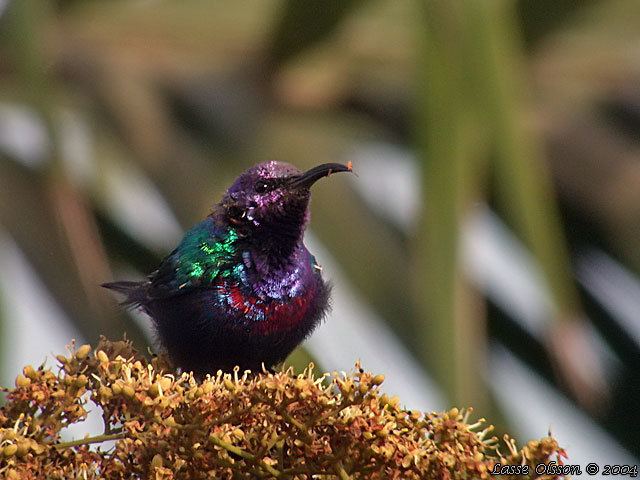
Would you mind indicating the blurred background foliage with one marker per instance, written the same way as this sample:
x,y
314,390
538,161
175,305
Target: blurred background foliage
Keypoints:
x,y
494,224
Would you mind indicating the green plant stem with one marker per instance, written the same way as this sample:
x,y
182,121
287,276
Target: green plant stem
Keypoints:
x,y
244,454
342,473
282,410
90,440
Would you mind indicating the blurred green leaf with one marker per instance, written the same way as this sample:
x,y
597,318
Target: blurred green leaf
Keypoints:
x,y
450,326
523,181
300,25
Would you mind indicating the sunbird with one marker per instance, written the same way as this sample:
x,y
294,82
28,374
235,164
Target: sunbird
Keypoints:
x,y
241,289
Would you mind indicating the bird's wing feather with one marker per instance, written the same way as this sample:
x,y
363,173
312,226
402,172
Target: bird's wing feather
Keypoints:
x,y
204,255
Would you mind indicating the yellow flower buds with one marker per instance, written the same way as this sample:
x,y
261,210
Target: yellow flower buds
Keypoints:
x,y
164,424
10,450
22,381
83,351
100,355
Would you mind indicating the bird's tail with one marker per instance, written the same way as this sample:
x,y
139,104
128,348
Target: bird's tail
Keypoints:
x,y
135,292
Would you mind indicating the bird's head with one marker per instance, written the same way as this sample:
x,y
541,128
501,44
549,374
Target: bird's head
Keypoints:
x,y
271,199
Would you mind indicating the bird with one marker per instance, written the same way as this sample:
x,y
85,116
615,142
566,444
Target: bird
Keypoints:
x,y
241,289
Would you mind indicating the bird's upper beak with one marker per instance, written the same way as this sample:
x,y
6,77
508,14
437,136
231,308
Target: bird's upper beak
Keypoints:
x,y
314,174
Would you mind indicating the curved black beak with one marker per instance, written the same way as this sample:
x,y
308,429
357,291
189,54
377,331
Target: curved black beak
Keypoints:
x,y
314,174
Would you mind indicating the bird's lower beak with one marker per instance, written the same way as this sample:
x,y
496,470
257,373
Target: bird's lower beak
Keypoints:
x,y
314,174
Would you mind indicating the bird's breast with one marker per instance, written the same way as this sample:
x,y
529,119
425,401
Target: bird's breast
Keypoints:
x,y
264,299
266,314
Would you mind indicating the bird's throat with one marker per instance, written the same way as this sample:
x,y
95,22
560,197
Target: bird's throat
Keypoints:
x,y
278,238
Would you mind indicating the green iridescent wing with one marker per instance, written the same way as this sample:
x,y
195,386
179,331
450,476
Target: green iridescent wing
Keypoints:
x,y
205,255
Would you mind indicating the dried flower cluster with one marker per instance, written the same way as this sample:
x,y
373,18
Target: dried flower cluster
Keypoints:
x,y
165,426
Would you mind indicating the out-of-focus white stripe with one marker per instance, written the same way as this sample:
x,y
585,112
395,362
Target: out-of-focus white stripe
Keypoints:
x,y
617,289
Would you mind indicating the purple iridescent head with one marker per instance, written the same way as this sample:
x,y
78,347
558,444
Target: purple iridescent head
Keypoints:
x,y
272,198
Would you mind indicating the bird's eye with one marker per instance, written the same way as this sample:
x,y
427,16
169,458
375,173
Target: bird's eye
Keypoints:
x,y
262,186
